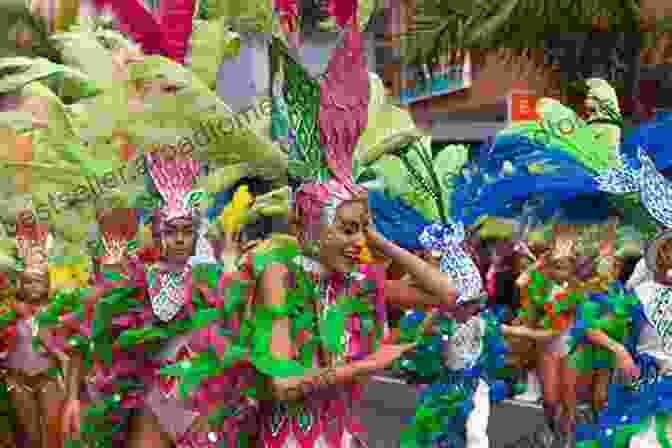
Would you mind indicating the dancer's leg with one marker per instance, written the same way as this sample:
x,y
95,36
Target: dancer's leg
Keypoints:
x,y
145,431
569,395
52,399
601,379
550,377
27,410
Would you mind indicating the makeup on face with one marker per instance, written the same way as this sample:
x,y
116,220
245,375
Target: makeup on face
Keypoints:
x,y
340,247
178,238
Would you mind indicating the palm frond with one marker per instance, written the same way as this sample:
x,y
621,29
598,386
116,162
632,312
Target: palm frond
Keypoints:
x,y
442,26
15,13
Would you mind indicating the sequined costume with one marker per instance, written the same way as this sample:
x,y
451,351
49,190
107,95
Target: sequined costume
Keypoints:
x,y
637,412
458,362
150,316
343,320
321,120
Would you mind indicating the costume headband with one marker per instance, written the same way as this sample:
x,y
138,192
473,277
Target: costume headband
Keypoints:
x,y
448,239
118,229
322,167
174,179
655,193
32,242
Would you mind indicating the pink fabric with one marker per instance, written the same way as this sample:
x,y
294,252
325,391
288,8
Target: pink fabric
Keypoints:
x,y
176,26
344,11
491,283
23,357
334,409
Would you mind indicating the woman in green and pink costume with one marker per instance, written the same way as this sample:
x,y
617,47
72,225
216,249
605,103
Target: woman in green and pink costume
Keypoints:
x,y
153,312
320,319
319,313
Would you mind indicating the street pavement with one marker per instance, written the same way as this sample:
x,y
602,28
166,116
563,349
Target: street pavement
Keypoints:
x,y
388,405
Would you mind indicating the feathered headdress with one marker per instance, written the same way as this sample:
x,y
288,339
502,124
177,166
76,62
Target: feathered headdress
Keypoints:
x,y
118,230
655,192
340,14
414,209
174,179
34,249
32,246
324,127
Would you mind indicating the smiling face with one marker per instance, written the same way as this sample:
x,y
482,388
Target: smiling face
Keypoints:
x,y
340,243
177,239
562,269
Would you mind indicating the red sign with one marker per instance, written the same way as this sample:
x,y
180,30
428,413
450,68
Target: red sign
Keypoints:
x,y
522,107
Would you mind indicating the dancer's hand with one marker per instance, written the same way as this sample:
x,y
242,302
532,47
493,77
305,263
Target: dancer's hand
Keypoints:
x,y
72,414
231,246
607,246
376,243
386,355
627,364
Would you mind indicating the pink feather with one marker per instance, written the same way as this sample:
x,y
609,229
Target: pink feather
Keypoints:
x,y
176,26
287,7
169,36
343,10
344,101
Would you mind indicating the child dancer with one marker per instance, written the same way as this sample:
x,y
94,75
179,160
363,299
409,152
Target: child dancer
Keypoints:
x,y
146,335
636,332
559,283
36,393
460,361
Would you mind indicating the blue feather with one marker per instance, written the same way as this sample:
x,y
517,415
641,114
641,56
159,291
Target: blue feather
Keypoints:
x,y
396,220
485,189
654,138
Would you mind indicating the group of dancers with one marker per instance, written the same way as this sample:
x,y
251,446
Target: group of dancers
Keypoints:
x,y
172,329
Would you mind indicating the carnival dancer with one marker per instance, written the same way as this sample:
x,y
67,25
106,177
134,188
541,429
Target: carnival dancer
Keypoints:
x,y
317,408
467,341
463,345
35,375
133,337
513,257
559,283
637,413
320,312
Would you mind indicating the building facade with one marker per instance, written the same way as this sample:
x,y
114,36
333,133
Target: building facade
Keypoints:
x,y
491,84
